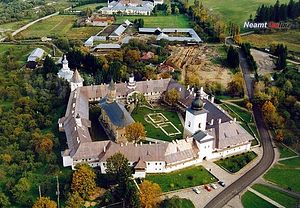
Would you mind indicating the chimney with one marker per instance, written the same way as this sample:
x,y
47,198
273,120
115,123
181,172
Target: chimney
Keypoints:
x,y
220,120
179,89
212,99
150,143
141,143
212,121
121,144
126,143
156,142
104,149
191,92
188,87
192,89
136,144
234,119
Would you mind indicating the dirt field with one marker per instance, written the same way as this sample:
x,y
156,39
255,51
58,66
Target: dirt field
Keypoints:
x,y
197,61
265,63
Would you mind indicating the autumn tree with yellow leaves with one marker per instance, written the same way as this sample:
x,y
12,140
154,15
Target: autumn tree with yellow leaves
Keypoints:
x,y
44,202
150,194
135,132
83,180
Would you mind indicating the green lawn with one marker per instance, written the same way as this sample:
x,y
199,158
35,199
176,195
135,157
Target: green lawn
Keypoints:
x,y
286,174
179,21
140,113
235,163
285,151
235,11
58,26
21,51
91,6
250,200
184,178
276,195
240,113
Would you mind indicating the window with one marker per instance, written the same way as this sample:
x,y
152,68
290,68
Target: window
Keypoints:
x,y
148,163
160,163
189,124
155,163
199,125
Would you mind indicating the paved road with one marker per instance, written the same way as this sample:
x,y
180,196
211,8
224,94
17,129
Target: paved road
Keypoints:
x,y
268,152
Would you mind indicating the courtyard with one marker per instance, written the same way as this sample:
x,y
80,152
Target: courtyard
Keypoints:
x,y
160,123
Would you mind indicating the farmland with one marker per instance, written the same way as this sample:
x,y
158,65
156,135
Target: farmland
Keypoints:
x,y
290,38
235,11
179,21
91,6
58,26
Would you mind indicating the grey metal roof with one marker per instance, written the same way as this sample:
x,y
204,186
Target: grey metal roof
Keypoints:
x,y
118,31
107,46
36,54
117,113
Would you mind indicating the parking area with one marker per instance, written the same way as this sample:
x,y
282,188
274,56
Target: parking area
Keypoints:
x,y
201,199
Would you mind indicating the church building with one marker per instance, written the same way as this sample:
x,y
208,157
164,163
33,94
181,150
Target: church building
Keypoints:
x,y
209,132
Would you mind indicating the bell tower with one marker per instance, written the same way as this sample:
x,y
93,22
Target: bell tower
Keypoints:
x,y
196,116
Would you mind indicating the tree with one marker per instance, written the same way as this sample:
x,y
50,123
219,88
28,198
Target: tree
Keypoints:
x,y
288,86
4,201
117,166
83,180
49,66
74,200
176,10
279,135
172,96
249,106
281,52
150,194
44,202
176,202
135,132
236,86
20,190
269,111
232,57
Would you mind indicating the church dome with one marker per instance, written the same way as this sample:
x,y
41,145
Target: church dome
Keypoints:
x,y
197,103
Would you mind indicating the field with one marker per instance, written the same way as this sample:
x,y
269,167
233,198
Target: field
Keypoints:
x,y
179,21
159,123
20,51
250,200
235,163
285,151
184,178
196,62
58,26
290,38
287,170
235,11
91,6
278,196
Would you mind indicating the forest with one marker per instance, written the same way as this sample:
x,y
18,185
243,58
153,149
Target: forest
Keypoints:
x,y
278,12
31,102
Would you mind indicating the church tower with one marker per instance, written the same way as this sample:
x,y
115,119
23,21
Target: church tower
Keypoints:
x,y
111,96
65,71
196,116
76,81
131,83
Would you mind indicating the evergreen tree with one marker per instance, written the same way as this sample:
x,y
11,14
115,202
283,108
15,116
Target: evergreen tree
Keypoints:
x,y
281,52
232,57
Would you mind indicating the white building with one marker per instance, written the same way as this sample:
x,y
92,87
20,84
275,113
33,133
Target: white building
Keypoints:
x,y
65,71
129,7
210,133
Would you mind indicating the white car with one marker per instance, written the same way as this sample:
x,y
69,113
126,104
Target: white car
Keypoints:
x,y
214,186
196,190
